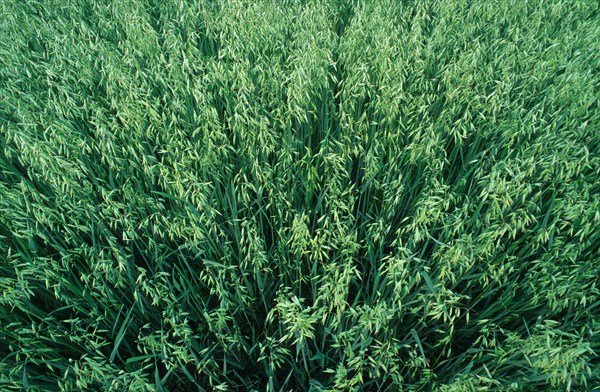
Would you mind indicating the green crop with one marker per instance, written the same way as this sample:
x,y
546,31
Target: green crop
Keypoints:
x,y
299,195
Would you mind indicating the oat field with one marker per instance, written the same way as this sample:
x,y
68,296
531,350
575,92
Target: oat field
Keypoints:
x,y
299,195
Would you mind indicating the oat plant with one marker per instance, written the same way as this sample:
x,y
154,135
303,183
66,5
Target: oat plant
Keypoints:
x,y
299,195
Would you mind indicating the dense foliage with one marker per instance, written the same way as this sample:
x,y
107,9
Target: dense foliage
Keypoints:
x,y
299,195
